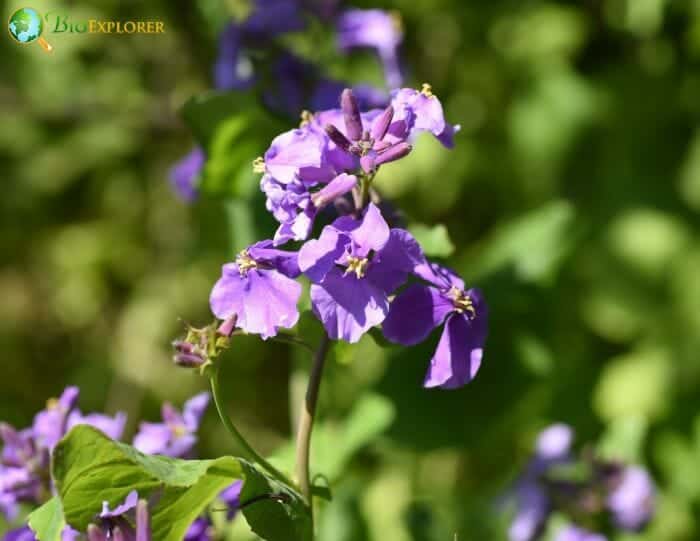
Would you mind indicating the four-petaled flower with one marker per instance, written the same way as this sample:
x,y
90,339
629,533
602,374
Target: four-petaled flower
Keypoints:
x,y
420,308
129,520
177,434
354,266
258,290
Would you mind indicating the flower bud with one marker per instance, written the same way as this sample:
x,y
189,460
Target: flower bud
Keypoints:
x,y
351,115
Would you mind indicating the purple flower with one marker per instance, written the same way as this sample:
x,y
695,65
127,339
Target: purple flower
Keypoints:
x,y
184,175
421,111
554,443
376,29
354,266
199,530
177,434
421,308
50,425
371,146
259,290
296,206
129,520
112,427
232,69
231,496
631,501
24,533
533,508
574,533
300,154
270,18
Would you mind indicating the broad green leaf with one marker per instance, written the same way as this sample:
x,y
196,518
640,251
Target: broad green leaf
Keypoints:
x,y
89,468
280,514
204,113
47,521
434,240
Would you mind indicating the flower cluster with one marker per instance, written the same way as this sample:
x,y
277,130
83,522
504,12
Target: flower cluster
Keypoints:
x,y
248,56
358,263
609,492
26,458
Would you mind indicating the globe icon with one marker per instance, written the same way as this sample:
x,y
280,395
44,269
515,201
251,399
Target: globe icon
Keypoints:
x,y
25,25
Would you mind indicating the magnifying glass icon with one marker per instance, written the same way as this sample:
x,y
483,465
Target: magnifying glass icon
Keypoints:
x,y
25,26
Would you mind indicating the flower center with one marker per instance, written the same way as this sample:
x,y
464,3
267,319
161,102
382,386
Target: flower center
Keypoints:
x,y
306,118
427,90
245,262
358,265
462,302
259,165
179,430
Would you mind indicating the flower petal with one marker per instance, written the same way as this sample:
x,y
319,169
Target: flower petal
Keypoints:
x,y
317,256
269,302
194,409
397,259
347,306
458,355
414,313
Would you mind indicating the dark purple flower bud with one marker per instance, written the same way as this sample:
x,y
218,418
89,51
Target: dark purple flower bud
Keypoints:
x,y
393,153
337,137
188,355
381,124
351,115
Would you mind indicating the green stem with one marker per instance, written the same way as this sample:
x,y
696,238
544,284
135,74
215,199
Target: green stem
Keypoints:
x,y
306,421
365,183
250,453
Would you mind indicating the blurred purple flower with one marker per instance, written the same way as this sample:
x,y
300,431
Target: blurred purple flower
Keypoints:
x,y
184,175
258,288
354,266
199,530
421,111
177,434
25,458
631,500
421,308
327,91
24,533
233,69
128,521
376,29
574,533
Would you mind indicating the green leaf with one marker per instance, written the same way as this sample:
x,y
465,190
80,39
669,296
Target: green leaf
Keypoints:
x,y
434,240
278,513
47,521
90,468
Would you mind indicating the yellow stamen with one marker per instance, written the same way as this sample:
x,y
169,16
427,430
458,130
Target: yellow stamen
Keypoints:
x,y
179,431
462,302
427,90
52,404
306,118
358,265
396,21
245,262
259,165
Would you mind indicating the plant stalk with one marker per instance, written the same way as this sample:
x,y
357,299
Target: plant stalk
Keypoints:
x,y
250,453
306,420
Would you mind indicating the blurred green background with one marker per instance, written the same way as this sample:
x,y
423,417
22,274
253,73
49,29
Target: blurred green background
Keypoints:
x,y
572,198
